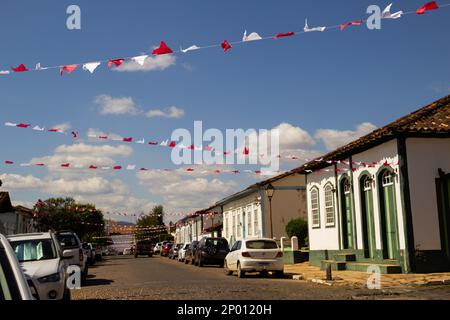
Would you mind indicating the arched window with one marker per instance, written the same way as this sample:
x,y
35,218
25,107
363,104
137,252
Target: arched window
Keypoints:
x,y
315,209
387,178
347,187
329,205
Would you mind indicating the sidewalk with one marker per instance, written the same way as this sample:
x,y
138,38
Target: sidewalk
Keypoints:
x,y
359,279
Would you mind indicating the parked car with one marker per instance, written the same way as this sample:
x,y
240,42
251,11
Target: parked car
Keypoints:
x,y
166,249
12,278
261,255
69,241
182,252
173,253
44,264
127,251
98,253
157,248
144,248
189,255
90,252
211,251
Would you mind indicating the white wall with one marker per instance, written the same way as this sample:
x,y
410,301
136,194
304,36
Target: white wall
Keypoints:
x,y
425,157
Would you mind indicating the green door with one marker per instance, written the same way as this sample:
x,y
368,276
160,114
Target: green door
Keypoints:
x,y
347,215
443,184
367,218
389,217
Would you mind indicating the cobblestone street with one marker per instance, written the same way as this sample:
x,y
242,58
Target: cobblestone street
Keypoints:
x,y
126,278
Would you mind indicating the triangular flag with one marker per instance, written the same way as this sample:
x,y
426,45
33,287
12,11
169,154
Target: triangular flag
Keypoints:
x,y
388,15
172,144
131,167
251,37
117,168
9,162
69,68
432,5
281,35
127,139
246,151
91,66
163,49
141,141
20,68
191,48
65,165
308,29
165,143
37,128
226,46
352,23
39,67
23,125
93,167
153,143
115,62
140,59
10,124
4,72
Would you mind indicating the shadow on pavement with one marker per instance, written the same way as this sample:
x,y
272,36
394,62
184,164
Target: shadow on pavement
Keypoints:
x,y
92,282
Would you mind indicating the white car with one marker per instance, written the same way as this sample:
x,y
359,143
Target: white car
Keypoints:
x,y
43,263
13,284
127,251
157,248
182,252
259,255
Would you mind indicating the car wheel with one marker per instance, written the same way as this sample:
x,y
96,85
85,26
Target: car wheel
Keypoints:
x,y
240,273
263,273
227,271
66,296
186,261
279,274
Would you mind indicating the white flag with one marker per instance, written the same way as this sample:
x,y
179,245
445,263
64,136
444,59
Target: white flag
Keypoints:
x,y
25,165
9,124
308,29
78,166
37,128
106,168
140,59
165,143
5,72
141,141
388,15
191,48
131,167
91,66
251,37
39,67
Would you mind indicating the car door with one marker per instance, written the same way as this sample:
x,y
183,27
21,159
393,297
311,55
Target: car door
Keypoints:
x,y
233,256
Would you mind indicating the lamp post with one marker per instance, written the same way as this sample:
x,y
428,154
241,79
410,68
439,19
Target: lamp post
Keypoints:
x,y
270,193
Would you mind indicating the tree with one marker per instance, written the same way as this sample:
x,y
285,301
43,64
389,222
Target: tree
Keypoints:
x,y
60,214
151,225
298,228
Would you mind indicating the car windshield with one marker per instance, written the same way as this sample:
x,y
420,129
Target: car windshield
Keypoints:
x,y
219,243
34,250
68,241
262,244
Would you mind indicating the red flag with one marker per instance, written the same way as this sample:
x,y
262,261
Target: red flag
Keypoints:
x,y
281,35
75,134
208,148
103,137
23,125
217,171
258,171
227,153
53,130
20,68
246,151
144,169
191,147
9,162
352,23
226,46
65,165
69,68
432,5
40,165
172,144
153,143
127,139
115,62
163,49
236,171
190,170
93,167
117,168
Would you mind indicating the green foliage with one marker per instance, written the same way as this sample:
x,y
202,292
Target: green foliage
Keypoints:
x,y
154,219
298,228
165,237
60,214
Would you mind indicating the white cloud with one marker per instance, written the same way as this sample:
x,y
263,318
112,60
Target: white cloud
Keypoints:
x,y
85,149
334,139
19,182
63,126
171,112
157,63
110,105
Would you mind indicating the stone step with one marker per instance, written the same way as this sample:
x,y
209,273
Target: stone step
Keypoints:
x,y
346,257
384,268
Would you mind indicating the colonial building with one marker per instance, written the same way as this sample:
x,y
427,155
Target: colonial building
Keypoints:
x,y
264,209
384,199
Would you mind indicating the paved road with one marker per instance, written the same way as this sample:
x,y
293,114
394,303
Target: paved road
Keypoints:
x,y
126,278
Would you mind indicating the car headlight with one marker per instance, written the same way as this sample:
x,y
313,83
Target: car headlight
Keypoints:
x,y
51,278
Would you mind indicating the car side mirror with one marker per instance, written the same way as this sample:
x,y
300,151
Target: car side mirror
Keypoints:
x,y
67,254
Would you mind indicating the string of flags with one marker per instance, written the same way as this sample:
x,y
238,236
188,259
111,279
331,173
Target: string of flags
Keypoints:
x,y
164,49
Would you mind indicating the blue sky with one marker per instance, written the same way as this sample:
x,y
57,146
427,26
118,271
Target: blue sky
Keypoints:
x,y
332,80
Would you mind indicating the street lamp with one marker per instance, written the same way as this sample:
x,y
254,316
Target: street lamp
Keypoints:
x,y
270,193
